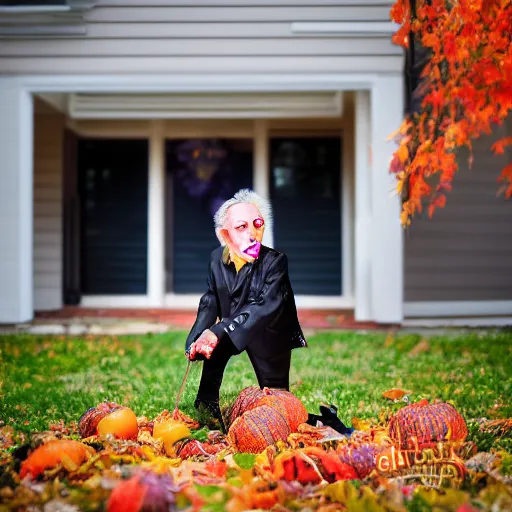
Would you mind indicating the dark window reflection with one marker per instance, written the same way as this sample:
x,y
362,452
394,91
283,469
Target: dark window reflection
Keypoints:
x,y
305,193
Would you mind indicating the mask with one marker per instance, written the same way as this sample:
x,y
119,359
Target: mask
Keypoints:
x,y
243,232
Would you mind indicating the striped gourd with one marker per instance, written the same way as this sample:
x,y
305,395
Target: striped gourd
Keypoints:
x,y
260,418
426,423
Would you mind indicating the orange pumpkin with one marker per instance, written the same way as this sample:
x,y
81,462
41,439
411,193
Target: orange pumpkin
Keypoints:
x,y
51,454
109,418
261,417
170,432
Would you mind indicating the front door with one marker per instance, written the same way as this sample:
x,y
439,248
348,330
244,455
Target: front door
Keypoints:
x,y
201,175
113,185
305,189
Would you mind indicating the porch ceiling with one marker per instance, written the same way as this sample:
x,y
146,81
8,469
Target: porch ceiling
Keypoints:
x,y
254,105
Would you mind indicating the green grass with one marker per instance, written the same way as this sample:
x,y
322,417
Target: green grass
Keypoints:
x,y
44,379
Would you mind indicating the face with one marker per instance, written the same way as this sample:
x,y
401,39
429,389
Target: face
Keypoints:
x,y
243,231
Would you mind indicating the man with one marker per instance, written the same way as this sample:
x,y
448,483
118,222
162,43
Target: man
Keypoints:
x,y
249,304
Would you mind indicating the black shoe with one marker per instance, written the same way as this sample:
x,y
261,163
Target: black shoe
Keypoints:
x,y
212,409
330,418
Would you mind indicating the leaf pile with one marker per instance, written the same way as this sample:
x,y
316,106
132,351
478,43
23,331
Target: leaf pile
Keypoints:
x,y
316,469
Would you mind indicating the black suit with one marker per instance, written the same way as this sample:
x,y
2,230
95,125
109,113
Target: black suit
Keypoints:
x,y
251,310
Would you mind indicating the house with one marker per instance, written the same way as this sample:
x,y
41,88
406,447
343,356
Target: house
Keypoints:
x,y
124,123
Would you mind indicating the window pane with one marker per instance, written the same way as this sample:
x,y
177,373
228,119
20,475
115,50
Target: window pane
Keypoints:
x,y
305,193
202,174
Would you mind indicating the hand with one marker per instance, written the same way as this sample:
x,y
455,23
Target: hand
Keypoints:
x,y
204,346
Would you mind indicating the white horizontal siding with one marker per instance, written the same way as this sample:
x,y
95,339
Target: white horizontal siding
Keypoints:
x,y
464,253
48,145
207,37
198,47
144,13
193,30
233,3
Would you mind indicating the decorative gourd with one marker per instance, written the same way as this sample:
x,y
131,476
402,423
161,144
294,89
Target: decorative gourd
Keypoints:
x,y
170,432
51,454
109,418
260,418
423,423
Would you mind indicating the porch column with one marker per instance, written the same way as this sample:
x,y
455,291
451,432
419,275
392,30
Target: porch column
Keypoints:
x,y
386,233
156,215
16,204
261,172
363,208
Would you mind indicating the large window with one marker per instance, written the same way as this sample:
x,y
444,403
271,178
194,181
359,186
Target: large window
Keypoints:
x,y
201,175
305,176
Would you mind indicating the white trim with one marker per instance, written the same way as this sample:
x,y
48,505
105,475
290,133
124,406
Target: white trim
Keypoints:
x,y
261,171
345,27
166,83
387,275
191,301
363,207
347,210
200,105
323,302
156,215
458,322
16,204
115,301
457,308
184,301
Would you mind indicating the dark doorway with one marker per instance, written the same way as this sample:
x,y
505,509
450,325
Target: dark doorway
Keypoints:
x,y
305,190
71,222
113,185
201,175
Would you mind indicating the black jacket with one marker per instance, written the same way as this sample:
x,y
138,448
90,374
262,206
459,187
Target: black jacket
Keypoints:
x,y
255,306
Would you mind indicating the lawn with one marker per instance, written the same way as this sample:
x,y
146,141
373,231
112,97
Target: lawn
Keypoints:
x,y
44,379
49,382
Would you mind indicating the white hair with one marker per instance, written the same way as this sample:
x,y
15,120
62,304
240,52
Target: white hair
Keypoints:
x,y
244,196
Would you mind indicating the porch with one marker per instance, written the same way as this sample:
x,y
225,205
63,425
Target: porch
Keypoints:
x,y
346,240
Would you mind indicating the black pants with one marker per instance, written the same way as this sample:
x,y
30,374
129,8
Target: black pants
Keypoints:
x,y
271,372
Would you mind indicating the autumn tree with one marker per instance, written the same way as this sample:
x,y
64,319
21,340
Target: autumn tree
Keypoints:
x,y
464,89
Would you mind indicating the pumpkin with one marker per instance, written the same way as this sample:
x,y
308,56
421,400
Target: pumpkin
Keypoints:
x,y
423,423
261,417
170,432
109,418
53,453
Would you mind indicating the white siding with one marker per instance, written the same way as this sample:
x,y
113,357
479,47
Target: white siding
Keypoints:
x,y
208,36
48,148
464,253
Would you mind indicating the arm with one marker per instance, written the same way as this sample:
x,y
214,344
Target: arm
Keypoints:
x,y
254,317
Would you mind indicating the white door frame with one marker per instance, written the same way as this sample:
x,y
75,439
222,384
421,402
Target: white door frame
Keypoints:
x,y
385,264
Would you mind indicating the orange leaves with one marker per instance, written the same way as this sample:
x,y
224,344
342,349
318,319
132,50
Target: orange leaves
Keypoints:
x,y
438,202
402,153
401,13
499,146
401,37
431,41
506,176
466,89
